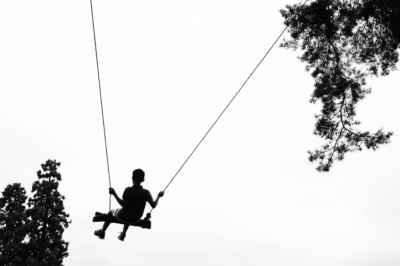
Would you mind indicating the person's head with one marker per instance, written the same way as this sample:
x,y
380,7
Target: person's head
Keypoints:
x,y
138,176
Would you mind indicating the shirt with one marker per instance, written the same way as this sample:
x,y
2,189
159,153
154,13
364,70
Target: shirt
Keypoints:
x,y
135,199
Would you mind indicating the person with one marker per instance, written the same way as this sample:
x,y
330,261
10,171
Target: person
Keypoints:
x,y
133,203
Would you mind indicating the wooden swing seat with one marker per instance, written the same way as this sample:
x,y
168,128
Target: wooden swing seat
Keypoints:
x,y
102,217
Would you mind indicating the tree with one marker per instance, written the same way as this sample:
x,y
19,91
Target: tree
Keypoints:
x,y
343,42
33,236
47,218
12,225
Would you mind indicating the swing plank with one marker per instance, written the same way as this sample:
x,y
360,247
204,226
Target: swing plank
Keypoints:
x,y
102,217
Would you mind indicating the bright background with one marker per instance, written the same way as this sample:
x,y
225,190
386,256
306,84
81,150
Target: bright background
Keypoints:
x,y
248,196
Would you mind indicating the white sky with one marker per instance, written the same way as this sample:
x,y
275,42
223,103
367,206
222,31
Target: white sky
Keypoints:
x,y
248,196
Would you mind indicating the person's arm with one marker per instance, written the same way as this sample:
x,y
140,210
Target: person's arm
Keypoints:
x,y
154,203
120,201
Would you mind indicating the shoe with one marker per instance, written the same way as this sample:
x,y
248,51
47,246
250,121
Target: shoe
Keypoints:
x,y
121,236
99,233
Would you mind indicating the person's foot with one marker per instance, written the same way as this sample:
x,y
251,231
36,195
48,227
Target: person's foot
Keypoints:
x,y
121,236
99,233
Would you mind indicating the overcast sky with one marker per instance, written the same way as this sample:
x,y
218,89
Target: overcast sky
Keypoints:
x,y
248,196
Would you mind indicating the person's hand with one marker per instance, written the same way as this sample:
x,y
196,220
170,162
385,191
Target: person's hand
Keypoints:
x,y
161,194
111,191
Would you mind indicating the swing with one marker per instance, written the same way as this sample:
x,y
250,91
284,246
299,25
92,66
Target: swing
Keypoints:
x,y
146,223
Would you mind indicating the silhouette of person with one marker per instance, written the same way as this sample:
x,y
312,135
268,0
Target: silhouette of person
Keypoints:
x,y
133,203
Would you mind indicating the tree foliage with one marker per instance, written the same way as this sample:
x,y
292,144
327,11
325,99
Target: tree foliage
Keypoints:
x,y
33,236
343,42
12,224
47,217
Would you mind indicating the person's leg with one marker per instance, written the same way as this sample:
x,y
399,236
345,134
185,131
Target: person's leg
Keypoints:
x,y
105,226
123,233
126,227
101,233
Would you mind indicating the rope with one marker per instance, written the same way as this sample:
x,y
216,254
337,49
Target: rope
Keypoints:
x,y
227,106
101,101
